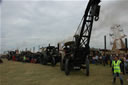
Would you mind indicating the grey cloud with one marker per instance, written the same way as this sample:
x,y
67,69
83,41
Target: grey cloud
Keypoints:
x,y
41,22
31,23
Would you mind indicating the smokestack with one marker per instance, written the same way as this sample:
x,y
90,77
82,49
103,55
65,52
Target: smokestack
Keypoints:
x,y
39,47
49,45
126,44
25,49
33,49
105,42
58,46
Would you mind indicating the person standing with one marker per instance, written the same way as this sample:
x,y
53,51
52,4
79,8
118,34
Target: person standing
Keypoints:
x,y
96,59
110,60
103,59
117,70
126,65
93,60
100,59
24,58
13,57
122,64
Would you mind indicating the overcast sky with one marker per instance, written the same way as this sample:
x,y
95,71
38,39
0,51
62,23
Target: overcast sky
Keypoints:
x,y
29,23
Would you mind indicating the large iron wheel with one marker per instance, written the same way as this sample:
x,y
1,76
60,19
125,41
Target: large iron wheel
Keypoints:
x,y
67,67
87,66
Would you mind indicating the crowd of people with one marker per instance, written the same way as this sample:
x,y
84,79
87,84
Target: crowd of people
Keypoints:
x,y
118,63
107,59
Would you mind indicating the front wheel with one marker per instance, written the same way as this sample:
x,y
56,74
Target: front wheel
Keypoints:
x,y
67,67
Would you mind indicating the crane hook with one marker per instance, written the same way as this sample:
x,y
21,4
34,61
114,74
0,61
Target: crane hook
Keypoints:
x,y
96,18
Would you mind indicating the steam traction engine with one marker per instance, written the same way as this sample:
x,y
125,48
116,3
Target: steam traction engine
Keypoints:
x,y
77,51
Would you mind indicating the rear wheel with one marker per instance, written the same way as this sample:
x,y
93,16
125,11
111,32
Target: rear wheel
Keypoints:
x,y
67,67
87,66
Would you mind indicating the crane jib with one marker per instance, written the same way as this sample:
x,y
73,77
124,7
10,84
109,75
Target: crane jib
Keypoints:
x,y
92,11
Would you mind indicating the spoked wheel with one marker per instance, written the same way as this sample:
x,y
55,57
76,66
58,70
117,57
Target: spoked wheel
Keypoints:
x,y
87,66
67,67
53,62
61,64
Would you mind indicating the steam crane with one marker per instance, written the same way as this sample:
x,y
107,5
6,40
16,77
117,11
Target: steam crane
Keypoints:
x,y
77,51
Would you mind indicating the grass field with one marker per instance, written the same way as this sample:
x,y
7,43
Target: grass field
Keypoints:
x,y
18,73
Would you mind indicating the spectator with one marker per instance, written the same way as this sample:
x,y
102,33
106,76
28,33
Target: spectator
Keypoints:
x,y
106,59
96,59
93,60
117,70
24,58
111,60
100,59
13,58
126,65
103,59
122,64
